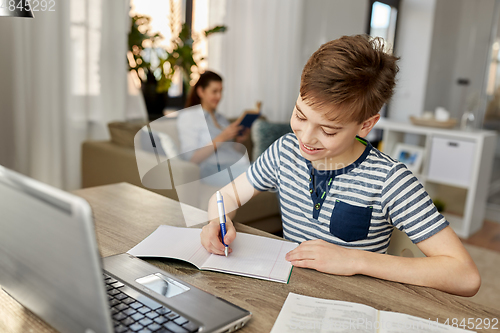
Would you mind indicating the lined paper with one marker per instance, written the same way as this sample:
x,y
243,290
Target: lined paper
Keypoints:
x,y
255,256
252,256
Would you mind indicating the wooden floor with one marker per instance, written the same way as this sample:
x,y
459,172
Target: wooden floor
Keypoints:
x,y
488,237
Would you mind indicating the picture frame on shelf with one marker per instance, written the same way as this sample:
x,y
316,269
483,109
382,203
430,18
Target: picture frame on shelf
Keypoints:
x,y
410,155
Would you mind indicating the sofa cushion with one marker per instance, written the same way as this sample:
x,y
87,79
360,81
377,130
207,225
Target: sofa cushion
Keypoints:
x,y
264,133
164,133
167,125
122,133
164,143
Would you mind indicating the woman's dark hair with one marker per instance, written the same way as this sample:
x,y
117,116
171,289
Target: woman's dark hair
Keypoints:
x,y
203,81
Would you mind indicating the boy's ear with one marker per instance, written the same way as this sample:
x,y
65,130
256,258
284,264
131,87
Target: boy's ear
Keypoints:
x,y
367,125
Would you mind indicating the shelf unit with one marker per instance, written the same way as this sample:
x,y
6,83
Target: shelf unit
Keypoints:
x,y
456,168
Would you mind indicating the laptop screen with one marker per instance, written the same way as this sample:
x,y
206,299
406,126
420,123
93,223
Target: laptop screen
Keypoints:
x,y
49,260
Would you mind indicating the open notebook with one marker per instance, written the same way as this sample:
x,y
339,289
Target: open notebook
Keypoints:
x,y
310,314
253,256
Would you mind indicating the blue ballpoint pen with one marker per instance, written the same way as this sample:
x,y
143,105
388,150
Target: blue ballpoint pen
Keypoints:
x,y
222,219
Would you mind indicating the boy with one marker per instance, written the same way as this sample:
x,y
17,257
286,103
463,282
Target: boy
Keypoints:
x,y
339,196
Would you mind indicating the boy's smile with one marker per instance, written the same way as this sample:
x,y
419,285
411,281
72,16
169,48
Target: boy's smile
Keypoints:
x,y
310,150
328,144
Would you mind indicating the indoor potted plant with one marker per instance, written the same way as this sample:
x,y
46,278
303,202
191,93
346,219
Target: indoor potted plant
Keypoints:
x,y
156,66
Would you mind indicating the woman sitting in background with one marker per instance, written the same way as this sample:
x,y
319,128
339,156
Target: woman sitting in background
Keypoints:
x,y
219,150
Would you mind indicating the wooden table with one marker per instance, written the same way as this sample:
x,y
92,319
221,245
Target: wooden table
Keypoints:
x,y
125,214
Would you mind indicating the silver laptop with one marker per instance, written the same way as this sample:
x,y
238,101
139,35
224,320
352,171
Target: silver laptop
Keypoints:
x,y
50,263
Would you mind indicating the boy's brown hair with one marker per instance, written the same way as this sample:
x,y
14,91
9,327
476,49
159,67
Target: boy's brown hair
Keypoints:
x,y
353,75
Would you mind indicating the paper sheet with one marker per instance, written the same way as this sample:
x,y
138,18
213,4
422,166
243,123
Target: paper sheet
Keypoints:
x,y
173,242
255,256
310,314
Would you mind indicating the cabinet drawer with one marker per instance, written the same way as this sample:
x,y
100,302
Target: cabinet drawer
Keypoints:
x,y
451,161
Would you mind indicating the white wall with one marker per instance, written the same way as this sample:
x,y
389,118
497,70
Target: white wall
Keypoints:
x,y
326,20
460,45
443,54
471,52
6,92
260,58
413,45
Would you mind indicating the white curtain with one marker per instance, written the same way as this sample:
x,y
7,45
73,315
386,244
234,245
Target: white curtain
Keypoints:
x,y
69,81
260,55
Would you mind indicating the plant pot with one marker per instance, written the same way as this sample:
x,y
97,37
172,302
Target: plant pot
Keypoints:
x,y
155,102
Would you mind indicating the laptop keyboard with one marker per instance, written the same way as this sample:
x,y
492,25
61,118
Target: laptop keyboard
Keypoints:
x,y
142,314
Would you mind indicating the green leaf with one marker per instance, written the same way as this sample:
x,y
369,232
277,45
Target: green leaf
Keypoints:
x,y
219,28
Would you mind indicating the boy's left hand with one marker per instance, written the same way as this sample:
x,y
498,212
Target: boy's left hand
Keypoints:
x,y
324,257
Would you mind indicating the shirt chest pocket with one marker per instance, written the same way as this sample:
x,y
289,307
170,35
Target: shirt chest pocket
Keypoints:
x,y
350,223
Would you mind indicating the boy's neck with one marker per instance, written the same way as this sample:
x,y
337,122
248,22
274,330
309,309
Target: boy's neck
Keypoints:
x,y
341,161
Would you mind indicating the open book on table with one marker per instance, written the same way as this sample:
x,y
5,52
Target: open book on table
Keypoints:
x,y
253,256
310,314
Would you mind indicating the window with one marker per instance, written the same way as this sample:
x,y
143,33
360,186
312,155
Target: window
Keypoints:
x,y
382,21
167,18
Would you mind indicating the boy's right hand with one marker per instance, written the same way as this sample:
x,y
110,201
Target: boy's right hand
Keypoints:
x,y
211,238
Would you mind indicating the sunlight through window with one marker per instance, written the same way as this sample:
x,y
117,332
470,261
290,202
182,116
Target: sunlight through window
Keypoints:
x,y
168,22
383,23
85,31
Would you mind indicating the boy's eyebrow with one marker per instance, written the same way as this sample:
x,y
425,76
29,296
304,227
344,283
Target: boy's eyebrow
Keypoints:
x,y
329,126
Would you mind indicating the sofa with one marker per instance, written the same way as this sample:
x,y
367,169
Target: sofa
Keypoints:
x,y
116,160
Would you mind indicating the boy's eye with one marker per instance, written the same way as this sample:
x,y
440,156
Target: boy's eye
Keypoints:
x,y
298,118
329,134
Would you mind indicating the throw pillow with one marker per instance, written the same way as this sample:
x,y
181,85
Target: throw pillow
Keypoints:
x,y
123,132
265,133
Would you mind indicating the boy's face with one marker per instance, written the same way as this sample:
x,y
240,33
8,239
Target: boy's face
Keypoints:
x,y
325,140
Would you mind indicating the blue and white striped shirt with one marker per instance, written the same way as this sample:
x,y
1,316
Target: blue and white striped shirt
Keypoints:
x,y
363,203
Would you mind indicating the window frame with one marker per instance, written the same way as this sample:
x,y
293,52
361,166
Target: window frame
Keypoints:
x,y
392,3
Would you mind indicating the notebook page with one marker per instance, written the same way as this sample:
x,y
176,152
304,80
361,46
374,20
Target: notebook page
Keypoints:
x,y
173,242
310,314
255,256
